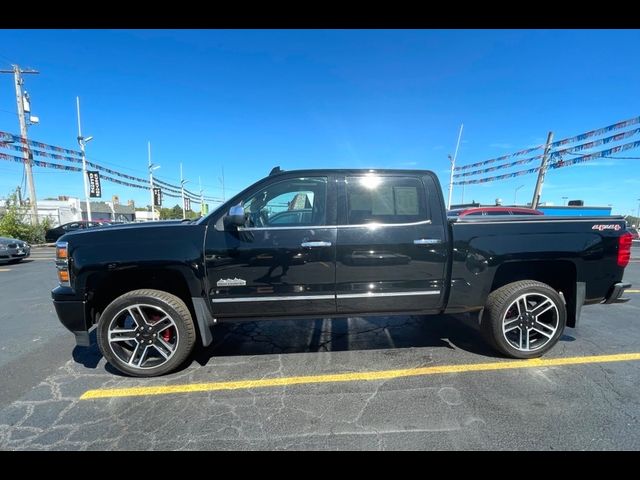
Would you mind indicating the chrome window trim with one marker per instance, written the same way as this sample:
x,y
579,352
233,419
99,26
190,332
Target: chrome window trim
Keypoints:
x,y
312,227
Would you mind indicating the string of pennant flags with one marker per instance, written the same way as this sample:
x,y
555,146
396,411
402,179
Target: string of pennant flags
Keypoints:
x,y
39,163
557,164
71,168
576,138
44,150
6,138
558,153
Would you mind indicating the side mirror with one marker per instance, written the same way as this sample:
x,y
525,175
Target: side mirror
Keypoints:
x,y
235,218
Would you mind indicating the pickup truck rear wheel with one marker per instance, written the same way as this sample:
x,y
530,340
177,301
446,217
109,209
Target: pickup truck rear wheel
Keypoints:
x,y
524,319
145,333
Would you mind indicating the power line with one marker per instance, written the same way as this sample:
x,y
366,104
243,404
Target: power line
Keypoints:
x,y
6,58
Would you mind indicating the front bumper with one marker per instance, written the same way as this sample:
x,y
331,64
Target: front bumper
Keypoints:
x,y
616,292
73,315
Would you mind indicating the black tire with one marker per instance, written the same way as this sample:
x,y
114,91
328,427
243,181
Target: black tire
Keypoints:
x,y
502,306
174,307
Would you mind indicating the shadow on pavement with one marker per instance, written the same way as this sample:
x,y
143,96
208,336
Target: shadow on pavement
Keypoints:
x,y
454,332
345,334
88,356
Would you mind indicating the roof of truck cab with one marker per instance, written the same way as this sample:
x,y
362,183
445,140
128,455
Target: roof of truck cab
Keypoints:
x,y
347,171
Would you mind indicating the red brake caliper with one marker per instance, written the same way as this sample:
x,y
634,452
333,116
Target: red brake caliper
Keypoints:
x,y
167,334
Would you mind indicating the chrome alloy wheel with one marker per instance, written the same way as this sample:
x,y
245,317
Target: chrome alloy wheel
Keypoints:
x,y
143,336
530,322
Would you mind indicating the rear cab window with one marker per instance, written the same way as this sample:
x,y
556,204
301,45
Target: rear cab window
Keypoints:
x,y
384,199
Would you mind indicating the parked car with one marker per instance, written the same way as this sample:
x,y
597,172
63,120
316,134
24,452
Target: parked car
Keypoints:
x,y
634,233
13,251
55,233
374,242
492,211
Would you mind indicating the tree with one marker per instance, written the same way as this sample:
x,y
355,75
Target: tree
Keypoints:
x,y
175,212
171,213
14,223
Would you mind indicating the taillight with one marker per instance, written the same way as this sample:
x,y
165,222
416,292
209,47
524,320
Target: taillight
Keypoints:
x,y
624,249
62,263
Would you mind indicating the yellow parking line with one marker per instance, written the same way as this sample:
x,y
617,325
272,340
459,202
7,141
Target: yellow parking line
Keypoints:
x,y
632,291
352,376
5,269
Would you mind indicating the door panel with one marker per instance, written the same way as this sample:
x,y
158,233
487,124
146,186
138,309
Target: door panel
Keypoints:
x,y
385,264
269,272
282,261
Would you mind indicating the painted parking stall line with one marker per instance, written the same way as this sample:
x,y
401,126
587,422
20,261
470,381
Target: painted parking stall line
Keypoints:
x,y
354,376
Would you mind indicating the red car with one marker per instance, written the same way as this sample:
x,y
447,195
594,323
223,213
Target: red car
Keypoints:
x,y
490,211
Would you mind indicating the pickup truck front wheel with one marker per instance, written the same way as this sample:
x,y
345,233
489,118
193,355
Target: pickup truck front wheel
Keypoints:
x,y
145,333
524,319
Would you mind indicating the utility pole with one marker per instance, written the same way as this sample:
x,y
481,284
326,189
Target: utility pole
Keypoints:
x,y
83,141
182,182
26,153
453,164
541,173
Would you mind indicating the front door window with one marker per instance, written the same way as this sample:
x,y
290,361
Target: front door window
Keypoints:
x,y
294,202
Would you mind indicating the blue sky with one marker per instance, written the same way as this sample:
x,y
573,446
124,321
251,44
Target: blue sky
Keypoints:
x,y
252,99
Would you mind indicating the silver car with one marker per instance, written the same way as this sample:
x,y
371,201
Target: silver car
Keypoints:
x,y
12,250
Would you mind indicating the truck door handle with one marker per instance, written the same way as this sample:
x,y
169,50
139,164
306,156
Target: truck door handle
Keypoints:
x,y
426,241
315,244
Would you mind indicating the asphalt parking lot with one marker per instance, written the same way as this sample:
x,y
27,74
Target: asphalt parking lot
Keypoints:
x,y
348,384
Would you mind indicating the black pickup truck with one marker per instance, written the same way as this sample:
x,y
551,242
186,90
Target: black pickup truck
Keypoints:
x,y
333,243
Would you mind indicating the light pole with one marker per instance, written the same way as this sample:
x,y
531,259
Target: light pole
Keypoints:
x,y
222,182
515,195
201,198
638,215
182,183
152,167
564,201
82,141
453,165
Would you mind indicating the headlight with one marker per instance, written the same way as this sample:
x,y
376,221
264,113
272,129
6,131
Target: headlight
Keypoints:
x,y
3,246
62,263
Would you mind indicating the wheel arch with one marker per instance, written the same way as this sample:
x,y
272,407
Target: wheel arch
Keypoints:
x,y
104,288
561,275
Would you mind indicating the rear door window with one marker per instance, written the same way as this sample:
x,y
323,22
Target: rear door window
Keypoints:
x,y
388,200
